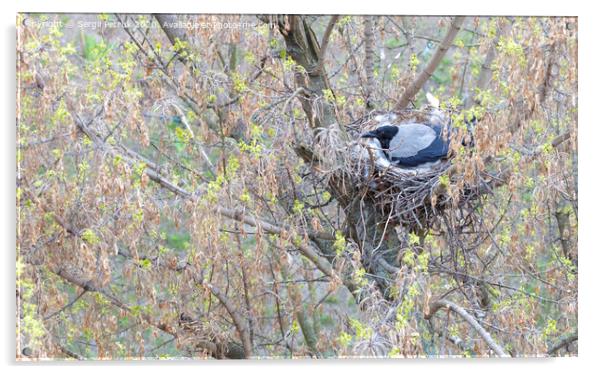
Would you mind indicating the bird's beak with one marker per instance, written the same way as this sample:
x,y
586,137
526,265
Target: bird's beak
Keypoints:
x,y
369,134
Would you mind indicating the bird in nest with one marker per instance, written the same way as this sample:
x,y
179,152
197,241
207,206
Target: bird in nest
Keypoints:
x,y
411,145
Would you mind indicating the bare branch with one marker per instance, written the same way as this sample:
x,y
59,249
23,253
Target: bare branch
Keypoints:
x,y
70,353
67,306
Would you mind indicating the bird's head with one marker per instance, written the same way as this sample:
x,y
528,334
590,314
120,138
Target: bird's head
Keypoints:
x,y
384,134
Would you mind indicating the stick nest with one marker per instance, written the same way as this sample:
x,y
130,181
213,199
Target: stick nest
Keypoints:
x,y
412,197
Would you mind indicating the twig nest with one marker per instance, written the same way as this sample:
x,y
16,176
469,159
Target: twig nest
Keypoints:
x,y
404,194
415,197
418,197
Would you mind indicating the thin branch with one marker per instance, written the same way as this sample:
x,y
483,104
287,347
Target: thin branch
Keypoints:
x,y
417,85
436,305
199,147
67,306
159,346
434,270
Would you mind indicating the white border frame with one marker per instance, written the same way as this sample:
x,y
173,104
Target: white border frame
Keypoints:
x,y
590,124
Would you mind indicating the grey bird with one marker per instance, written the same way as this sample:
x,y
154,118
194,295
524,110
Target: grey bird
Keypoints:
x,y
411,144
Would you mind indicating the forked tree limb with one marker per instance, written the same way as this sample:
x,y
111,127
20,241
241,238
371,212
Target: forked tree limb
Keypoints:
x,y
424,76
443,303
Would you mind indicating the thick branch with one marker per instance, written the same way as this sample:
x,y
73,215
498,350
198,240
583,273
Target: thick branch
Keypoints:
x,y
369,61
167,23
563,343
417,85
239,322
486,72
325,40
436,305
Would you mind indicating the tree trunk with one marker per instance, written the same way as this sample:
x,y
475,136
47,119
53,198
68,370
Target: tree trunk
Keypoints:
x,y
302,46
366,225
